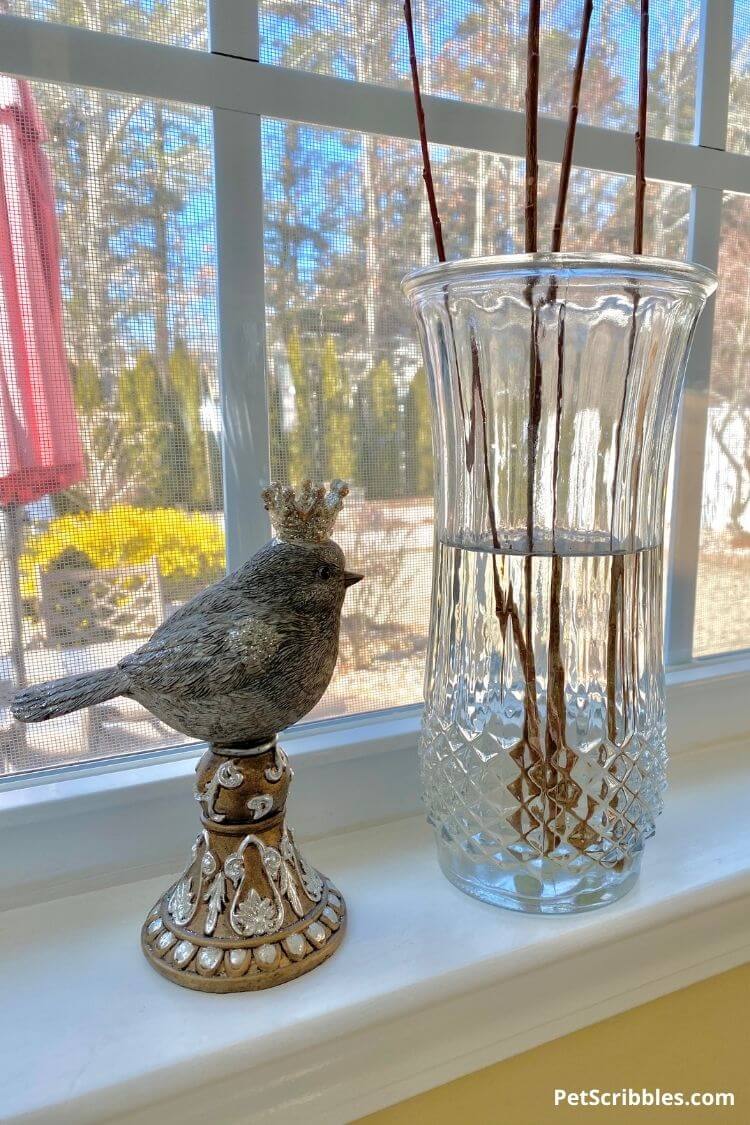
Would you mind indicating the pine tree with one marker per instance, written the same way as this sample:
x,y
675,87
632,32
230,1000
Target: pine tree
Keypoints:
x,y
148,419
157,421
278,443
87,389
176,484
379,460
338,451
419,471
302,443
186,383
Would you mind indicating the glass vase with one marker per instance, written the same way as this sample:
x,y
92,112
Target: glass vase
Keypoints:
x,y
555,382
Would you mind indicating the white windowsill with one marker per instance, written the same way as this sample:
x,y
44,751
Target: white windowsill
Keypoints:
x,y
350,773
428,984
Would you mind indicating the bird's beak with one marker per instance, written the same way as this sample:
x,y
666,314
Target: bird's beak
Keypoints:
x,y
351,578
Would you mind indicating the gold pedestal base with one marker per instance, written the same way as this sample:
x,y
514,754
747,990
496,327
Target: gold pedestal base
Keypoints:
x,y
248,912
208,967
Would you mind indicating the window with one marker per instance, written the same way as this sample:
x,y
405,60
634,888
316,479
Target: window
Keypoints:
x,y
180,23
476,52
722,617
738,132
103,555
165,224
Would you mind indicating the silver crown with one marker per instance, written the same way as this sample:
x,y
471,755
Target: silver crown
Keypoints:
x,y
305,514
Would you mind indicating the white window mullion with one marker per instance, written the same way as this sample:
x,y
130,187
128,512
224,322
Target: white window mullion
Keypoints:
x,y
712,105
233,28
687,494
241,296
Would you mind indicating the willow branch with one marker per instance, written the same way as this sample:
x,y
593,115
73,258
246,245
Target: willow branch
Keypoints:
x,y
640,135
570,136
532,116
429,183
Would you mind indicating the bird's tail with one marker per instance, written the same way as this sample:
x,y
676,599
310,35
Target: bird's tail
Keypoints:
x,y
60,697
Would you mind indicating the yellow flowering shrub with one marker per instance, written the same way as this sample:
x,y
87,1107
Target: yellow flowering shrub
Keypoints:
x,y
188,546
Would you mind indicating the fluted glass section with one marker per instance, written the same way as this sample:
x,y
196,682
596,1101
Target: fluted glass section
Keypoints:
x,y
555,382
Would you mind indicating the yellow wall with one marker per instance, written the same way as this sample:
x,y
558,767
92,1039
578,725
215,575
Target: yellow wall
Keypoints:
x,y
696,1039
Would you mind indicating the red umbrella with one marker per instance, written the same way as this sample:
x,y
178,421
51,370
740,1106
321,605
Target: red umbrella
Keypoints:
x,y
40,448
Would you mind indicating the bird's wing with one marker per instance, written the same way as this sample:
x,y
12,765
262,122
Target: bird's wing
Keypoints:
x,y
215,601
203,655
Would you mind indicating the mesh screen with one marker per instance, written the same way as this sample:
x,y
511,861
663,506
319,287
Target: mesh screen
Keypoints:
x,y
738,125
475,50
722,612
178,23
345,218
110,486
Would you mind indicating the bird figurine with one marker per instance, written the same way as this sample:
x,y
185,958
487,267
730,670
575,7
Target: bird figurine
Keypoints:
x,y
239,663
251,654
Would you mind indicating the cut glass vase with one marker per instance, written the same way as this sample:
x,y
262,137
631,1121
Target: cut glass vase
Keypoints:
x,y
555,382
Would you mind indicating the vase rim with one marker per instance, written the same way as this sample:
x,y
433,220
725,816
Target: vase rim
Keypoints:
x,y
566,262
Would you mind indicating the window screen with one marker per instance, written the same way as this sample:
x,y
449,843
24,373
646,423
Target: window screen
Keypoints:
x,y
345,218
722,614
476,51
738,130
179,23
110,458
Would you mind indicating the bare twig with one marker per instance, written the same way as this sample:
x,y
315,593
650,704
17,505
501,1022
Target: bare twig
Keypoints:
x,y
614,640
567,157
556,733
532,114
530,216
535,413
426,164
505,607
640,135
531,713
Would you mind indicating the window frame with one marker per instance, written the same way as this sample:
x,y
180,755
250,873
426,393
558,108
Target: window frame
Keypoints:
x,y
230,82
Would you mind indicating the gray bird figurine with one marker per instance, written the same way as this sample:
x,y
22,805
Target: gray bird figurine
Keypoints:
x,y
247,657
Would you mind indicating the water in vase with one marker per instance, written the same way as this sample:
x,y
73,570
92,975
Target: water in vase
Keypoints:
x,y
543,752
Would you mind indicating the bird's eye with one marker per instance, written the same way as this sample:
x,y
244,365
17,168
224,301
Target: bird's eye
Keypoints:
x,y
325,572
